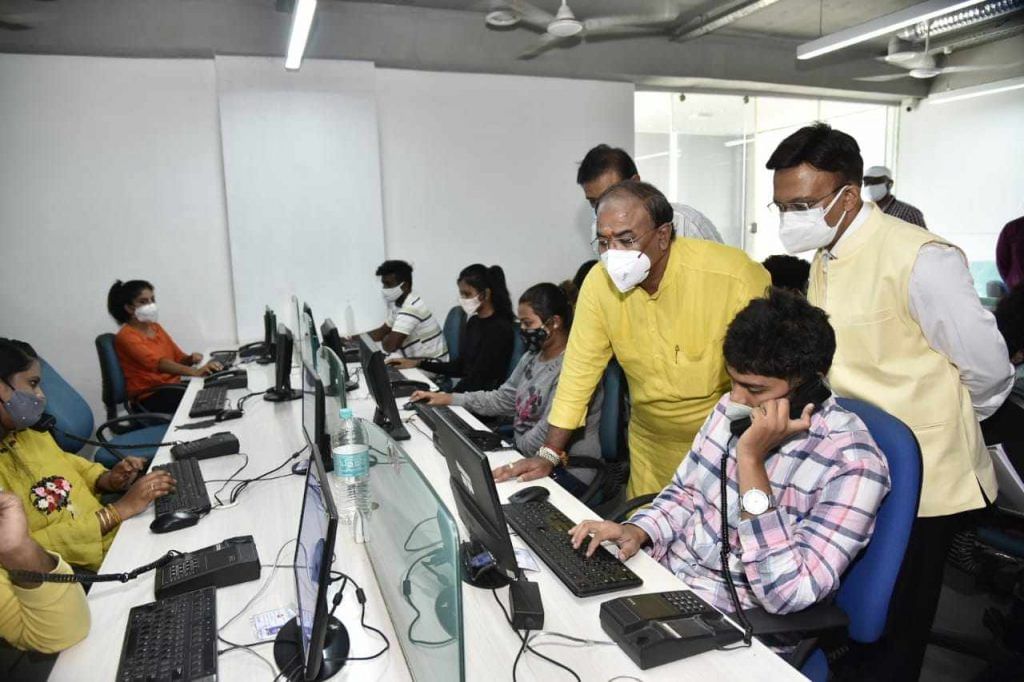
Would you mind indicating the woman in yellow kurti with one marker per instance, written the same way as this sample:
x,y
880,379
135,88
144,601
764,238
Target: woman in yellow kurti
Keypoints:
x,y
661,305
61,492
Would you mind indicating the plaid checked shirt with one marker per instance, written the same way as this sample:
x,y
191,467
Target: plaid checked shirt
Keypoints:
x,y
905,212
827,485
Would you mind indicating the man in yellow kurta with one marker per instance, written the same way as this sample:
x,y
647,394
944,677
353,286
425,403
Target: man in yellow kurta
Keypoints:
x,y
660,305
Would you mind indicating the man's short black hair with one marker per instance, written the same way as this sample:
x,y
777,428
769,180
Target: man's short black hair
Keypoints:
x,y
398,268
654,201
602,159
1010,319
788,272
781,336
823,147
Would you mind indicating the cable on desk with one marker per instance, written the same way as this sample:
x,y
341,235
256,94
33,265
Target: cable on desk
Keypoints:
x,y
407,595
526,643
361,598
216,495
405,545
241,401
259,592
244,483
248,649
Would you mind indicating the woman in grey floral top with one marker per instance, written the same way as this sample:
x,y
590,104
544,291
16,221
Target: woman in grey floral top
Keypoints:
x,y
545,317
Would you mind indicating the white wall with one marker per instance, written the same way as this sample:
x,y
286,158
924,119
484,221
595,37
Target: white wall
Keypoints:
x,y
962,164
482,168
109,168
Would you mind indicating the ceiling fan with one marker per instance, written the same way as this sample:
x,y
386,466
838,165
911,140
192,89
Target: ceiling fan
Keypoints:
x,y
563,27
20,21
921,65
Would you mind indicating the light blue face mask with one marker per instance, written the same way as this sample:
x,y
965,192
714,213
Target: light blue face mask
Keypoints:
x,y
24,408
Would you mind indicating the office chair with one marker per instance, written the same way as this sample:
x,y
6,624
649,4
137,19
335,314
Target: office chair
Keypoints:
x,y
454,325
861,604
73,415
518,348
115,396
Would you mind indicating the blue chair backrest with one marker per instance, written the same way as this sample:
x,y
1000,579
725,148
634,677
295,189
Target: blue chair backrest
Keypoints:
x,y
454,323
611,431
518,348
113,376
68,407
867,585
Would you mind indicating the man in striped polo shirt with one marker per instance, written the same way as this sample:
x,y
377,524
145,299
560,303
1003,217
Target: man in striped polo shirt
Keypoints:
x,y
878,189
411,328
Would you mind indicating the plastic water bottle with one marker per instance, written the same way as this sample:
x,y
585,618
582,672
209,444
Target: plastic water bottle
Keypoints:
x,y
350,453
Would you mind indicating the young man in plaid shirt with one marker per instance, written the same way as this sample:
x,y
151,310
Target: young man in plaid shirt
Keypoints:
x,y
802,493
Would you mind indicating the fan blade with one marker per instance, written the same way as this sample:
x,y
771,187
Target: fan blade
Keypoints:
x,y
882,79
644,21
543,44
17,22
974,69
529,14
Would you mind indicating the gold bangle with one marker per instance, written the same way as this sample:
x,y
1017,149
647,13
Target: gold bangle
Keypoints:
x,y
104,519
114,514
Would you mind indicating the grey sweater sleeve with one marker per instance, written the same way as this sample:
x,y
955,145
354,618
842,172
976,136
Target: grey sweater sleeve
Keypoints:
x,y
499,402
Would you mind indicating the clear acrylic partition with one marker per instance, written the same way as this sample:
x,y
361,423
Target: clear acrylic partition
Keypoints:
x,y
412,537
332,373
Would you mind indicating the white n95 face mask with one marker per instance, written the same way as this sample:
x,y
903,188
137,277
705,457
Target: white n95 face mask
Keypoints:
x,y
393,294
470,305
626,268
807,230
874,193
146,313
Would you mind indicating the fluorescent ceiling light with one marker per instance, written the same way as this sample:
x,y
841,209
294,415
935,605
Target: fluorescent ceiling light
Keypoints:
x,y
881,26
976,91
740,141
302,21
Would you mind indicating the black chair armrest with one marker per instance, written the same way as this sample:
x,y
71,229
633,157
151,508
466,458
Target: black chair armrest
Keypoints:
x,y
811,621
599,475
624,511
153,390
145,419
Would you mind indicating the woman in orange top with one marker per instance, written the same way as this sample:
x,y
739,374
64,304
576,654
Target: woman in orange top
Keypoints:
x,y
149,357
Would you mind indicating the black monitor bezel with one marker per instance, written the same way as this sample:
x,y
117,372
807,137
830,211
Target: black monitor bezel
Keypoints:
x,y
283,359
379,384
317,442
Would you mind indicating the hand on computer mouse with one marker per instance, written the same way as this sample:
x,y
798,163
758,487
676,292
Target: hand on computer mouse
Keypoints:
x,y
403,363
431,398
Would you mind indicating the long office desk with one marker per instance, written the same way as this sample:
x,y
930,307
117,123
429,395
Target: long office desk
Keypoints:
x,y
269,511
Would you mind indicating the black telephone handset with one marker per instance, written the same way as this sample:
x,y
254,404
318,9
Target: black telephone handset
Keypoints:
x,y
815,392
229,562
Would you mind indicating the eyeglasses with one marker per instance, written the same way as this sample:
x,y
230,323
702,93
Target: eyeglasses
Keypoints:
x,y
776,208
602,244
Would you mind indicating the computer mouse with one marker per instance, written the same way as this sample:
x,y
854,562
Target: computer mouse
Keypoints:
x,y
225,415
411,405
535,493
182,518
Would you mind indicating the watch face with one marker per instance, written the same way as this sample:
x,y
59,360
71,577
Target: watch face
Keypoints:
x,y
755,502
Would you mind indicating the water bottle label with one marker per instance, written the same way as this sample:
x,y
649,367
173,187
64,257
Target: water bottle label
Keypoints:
x,y
352,460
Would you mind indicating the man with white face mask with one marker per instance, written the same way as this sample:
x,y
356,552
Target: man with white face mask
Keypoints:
x,y
912,338
410,328
878,189
661,305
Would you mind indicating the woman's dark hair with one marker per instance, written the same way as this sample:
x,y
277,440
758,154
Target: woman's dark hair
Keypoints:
x,y
123,293
823,147
548,300
654,201
602,159
1010,319
582,272
15,356
481,277
781,336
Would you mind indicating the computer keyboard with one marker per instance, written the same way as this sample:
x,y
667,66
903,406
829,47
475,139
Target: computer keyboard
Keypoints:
x,y
546,531
209,401
485,440
172,639
190,489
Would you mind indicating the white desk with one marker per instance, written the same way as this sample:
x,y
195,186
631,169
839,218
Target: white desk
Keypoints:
x,y
269,511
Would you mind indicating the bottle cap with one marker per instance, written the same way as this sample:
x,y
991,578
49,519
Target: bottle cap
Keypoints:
x,y
345,413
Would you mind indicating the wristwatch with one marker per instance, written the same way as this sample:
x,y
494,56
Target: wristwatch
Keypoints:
x,y
552,456
756,501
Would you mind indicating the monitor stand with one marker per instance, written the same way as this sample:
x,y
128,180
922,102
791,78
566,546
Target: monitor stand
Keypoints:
x,y
282,395
288,650
485,578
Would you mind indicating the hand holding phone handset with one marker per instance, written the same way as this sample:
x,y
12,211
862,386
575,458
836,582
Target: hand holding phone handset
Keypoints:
x,y
804,400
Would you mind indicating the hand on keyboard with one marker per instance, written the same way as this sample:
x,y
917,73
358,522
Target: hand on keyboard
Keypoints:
x,y
143,492
628,537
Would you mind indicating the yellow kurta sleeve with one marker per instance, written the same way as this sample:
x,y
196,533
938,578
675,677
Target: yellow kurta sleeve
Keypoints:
x,y
586,356
46,618
90,471
80,541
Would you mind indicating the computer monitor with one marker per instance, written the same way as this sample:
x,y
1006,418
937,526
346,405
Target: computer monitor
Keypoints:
x,y
386,416
488,559
313,645
332,373
332,340
314,408
282,390
268,353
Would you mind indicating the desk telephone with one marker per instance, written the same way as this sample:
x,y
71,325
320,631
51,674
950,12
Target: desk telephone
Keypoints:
x,y
815,391
229,562
229,378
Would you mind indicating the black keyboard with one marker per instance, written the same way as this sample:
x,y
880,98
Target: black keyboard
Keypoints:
x,y
209,401
485,440
225,357
190,491
174,638
546,531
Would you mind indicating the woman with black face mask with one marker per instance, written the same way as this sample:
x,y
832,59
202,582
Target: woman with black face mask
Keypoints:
x,y
545,317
